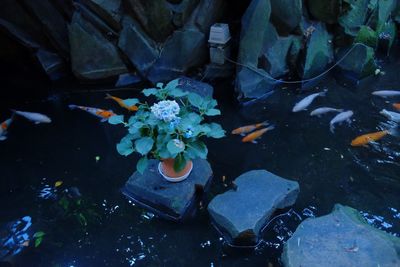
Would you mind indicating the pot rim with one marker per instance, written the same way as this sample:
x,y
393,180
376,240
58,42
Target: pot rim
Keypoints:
x,y
174,179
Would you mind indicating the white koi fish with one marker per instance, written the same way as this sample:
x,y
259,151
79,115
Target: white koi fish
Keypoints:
x,y
305,102
339,118
319,111
4,127
101,113
32,116
386,93
393,116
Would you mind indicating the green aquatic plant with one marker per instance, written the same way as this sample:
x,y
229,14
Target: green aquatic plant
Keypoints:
x,y
172,127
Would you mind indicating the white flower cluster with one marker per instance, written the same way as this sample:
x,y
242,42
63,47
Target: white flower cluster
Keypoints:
x,y
165,110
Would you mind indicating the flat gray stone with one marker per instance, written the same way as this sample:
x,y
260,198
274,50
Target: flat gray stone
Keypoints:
x,y
194,86
342,238
109,10
286,14
177,200
242,213
182,11
92,55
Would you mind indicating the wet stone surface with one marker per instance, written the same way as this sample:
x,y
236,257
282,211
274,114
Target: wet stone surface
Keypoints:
x,y
341,238
242,213
174,201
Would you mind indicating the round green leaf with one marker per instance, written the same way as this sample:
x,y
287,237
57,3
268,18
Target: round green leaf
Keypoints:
x,y
144,145
213,112
130,101
142,165
117,119
175,146
125,147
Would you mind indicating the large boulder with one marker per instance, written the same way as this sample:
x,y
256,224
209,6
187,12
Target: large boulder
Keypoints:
x,y
137,46
19,35
252,82
359,63
52,22
319,52
286,14
355,16
183,50
341,238
92,55
109,10
243,212
194,86
52,64
173,201
155,17
182,11
325,10
207,13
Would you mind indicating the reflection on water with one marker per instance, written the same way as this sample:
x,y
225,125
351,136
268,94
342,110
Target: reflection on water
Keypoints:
x,y
88,222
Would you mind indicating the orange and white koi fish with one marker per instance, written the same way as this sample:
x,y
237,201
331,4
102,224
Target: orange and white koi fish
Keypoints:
x,y
397,106
257,134
365,139
4,127
249,128
122,103
101,113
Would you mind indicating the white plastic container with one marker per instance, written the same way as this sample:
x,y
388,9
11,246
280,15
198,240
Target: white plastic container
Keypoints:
x,y
219,34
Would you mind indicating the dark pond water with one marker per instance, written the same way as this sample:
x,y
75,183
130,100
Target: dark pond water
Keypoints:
x,y
79,150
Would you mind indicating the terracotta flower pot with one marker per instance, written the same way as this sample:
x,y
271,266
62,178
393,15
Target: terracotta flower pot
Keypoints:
x,y
166,169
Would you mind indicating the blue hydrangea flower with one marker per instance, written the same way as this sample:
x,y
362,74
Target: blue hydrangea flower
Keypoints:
x,y
165,110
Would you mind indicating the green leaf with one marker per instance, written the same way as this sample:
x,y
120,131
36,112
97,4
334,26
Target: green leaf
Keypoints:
x,y
39,234
179,162
38,241
195,100
175,146
125,147
130,101
197,149
367,36
144,145
172,85
176,92
135,127
142,164
160,85
213,112
117,119
150,91
216,131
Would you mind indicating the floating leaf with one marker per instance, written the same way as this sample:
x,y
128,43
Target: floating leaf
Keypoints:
x,y
142,165
38,241
117,119
39,234
58,183
144,145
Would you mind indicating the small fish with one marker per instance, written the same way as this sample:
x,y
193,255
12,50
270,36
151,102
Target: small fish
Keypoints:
x,y
393,116
32,116
101,113
4,127
397,106
249,128
121,103
365,139
319,111
305,102
339,118
386,93
257,134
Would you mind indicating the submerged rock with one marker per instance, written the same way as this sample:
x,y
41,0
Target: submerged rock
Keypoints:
x,y
92,55
174,201
141,50
127,79
194,86
325,10
359,63
183,50
341,238
51,63
207,13
355,16
182,11
286,14
319,51
109,10
242,213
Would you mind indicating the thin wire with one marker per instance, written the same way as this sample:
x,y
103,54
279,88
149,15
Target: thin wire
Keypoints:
x,y
300,81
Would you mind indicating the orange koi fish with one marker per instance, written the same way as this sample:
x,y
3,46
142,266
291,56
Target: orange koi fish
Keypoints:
x,y
396,106
257,134
122,103
248,128
365,139
4,127
101,113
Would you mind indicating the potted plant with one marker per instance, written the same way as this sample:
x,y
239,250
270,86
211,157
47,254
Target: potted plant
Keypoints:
x,y
170,129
